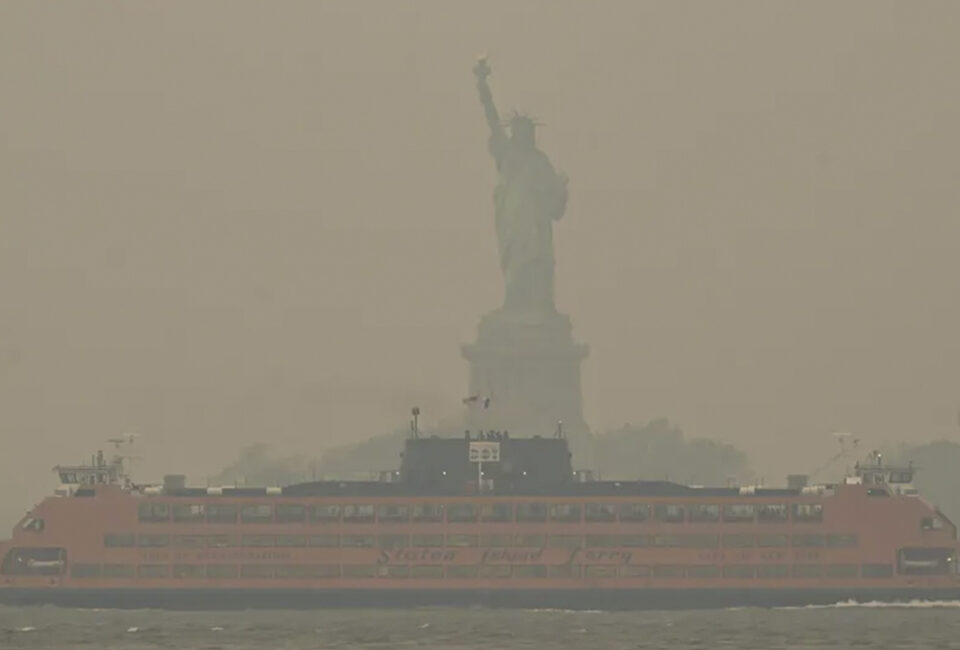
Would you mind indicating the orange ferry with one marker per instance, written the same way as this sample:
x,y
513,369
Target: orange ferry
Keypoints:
x,y
486,519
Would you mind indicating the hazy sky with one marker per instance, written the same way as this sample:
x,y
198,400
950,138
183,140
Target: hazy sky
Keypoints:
x,y
227,222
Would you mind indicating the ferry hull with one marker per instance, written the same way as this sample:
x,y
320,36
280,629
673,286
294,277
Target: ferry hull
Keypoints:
x,y
573,599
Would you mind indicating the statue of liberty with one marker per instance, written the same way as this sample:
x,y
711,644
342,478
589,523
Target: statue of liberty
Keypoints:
x,y
529,196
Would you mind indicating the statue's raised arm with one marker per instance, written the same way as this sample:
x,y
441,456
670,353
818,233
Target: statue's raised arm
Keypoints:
x,y
497,134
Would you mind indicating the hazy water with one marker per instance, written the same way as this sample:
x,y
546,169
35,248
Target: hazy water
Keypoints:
x,y
921,625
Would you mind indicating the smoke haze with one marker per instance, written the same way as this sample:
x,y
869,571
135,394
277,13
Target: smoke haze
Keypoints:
x,y
229,222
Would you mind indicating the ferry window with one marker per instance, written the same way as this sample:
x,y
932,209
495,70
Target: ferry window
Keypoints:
x,y
599,571
154,541
494,571
668,512
188,571
600,512
807,571
461,540
325,571
738,571
426,571
358,512
462,570
739,512
119,539
119,571
705,512
738,541
187,541
496,539
34,523
634,571
258,540
602,541
808,512
807,540
636,540
256,513
222,513
772,512
393,513
530,571
325,541
294,571
257,571
773,571
534,540
291,512
153,571
841,541
563,571
85,571
701,541
840,571
427,512
153,512
293,541
461,512
772,541
631,512
326,512
926,561
496,512
187,512
666,571
669,541
564,541
568,512
531,512
877,570
221,570
359,570
432,540
901,477
358,541
394,541
395,571
34,561
702,571
221,541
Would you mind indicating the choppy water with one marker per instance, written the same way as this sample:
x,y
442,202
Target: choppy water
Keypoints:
x,y
917,625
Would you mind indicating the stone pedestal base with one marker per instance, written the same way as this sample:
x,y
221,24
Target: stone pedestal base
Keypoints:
x,y
529,367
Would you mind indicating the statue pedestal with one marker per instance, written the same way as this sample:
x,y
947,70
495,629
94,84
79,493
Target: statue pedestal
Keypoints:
x,y
529,366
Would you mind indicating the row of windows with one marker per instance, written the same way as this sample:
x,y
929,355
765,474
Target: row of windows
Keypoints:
x,y
469,512
828,571
434,540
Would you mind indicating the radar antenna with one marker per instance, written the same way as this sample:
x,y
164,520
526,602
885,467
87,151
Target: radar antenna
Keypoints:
x,y
848,445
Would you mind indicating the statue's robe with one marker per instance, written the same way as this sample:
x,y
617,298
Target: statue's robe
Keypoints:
x,y
529,197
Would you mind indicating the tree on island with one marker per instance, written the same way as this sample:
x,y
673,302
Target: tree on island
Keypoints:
x,y
654,451
659,451
936,475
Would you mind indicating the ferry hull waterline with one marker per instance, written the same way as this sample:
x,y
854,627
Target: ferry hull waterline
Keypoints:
x,y
486,520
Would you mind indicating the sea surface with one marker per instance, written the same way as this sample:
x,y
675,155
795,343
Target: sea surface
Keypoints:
x,y
872,625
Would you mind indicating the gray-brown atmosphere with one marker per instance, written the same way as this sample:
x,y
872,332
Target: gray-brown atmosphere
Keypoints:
x,y
224,222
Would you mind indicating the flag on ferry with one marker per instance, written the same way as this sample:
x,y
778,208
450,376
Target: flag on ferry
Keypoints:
x,y
477,400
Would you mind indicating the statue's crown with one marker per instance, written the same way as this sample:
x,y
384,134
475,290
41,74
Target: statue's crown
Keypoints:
x,y
521,119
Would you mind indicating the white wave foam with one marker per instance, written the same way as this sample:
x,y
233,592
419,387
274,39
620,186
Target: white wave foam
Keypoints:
x,y
564,611
28,628
876,604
